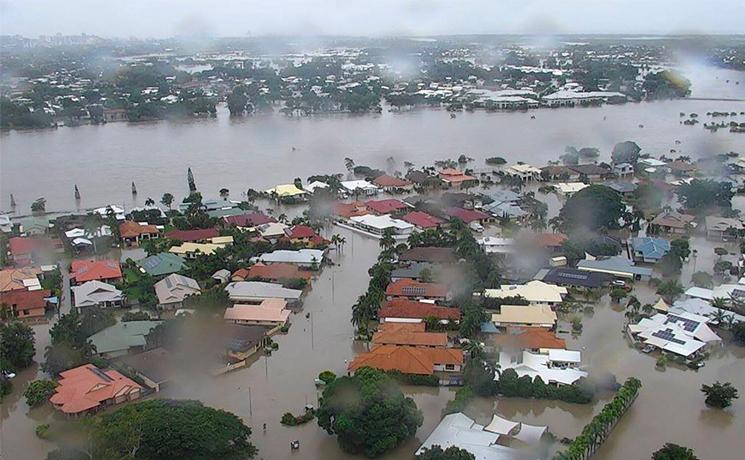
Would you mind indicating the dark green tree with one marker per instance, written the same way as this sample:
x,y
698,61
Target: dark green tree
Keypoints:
x,y
626,152
166,428
16,346
368,413
38,392
592,208
700,194
672,451
719,395
451,453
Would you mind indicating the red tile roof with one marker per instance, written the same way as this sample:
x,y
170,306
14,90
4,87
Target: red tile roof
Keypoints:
x,y
193,235
22,299
130,229
404,308
300,232
356,208
408,360
89,270
386,206
22,245
251,219
466,215
87,387
422,219
389,181
413,288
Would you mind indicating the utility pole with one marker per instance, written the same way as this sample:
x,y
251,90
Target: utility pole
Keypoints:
x,y
250,406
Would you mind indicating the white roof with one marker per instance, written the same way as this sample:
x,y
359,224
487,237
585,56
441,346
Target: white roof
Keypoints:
x,y
353,185
534,291
95,292
537,365
316,184
567,94
460,431
567,188
677,332
524,168
301,256
271,229
701,293
501,425
565,356
250,290
381,222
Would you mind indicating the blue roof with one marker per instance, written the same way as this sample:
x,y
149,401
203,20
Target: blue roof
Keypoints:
x,y
487,327
650,248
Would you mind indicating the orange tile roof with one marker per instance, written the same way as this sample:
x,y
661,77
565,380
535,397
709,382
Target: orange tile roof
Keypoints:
x,y
529,338
413,288
549,240
404,308
355,208
398,327
87,387
408,360
454,176
411,338
131,229
89,270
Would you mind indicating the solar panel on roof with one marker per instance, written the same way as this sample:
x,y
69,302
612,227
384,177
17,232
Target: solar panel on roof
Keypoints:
x,y
101,374
688,324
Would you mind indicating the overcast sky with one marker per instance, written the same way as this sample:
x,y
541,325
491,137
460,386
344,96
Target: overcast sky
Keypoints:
x,y
164,18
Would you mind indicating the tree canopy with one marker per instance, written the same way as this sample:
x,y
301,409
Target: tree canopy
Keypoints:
x,y
702,193
166,428
719,395
451,453
626,152
16,346
672,451
592,208
368,413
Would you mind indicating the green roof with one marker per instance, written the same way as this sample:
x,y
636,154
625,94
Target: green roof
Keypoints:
x,y
122,336
161,264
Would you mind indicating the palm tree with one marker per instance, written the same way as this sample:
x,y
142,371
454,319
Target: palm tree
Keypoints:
x,y
149,202
342,242
474,349
335,241
719,302
282,218
718,316
387,242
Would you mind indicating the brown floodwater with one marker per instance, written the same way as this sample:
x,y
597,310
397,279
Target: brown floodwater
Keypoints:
x,y
261,151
